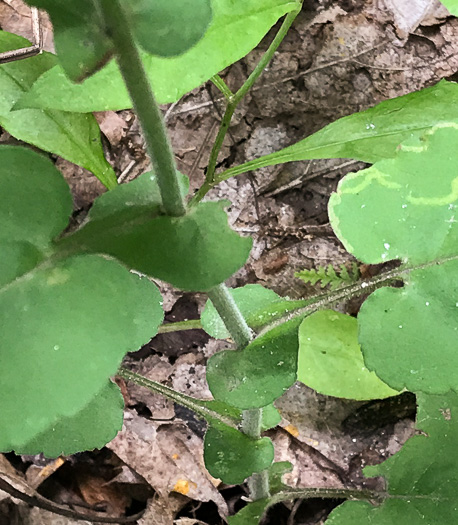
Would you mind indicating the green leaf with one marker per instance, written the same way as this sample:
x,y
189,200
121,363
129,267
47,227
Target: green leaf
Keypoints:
x,y
141,194
169,27
328,276
270,417
451,5
370,135
194,252
232,456
73,136
249,299
81,43
251,514
35,201
422,478
330,359
66,325
92,427
260,373
237,27
401,209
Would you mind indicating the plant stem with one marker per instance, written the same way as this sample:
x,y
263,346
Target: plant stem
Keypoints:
x,y
258,483
353,493
233,102
230,314
191,324
222,86
266,58
146,108
200,407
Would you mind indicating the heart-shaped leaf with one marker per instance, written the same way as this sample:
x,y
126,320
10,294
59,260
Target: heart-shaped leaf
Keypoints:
x,y
422,478
402,209
232,456
260,373
236,28
330,359
169,27
81,43
73,136
92,427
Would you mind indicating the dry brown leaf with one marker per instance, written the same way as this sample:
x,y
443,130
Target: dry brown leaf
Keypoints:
x,y
167,456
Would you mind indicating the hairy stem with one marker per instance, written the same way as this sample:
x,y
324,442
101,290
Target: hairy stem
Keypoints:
x,y
233,102
230,314
200,407
146,108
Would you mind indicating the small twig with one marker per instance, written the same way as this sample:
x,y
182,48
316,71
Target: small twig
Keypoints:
x,y
37,500
27,52
126,172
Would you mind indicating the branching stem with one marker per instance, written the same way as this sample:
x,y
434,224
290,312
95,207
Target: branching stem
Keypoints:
x,y
233,101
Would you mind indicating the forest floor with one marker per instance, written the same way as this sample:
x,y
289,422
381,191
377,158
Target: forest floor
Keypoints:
x,y
339,58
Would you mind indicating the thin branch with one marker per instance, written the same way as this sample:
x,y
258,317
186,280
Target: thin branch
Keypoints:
x,y
37,500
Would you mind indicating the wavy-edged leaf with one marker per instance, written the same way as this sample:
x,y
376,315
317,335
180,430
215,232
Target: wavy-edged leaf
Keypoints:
x,y
169,27
81,44
73,136
237,27
66,323
330,359
370,135
194,252
232,456
260,373
92,427
65,328
405,208
422,478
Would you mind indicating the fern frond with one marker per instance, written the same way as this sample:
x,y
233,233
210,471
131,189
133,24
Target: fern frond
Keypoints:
x,y
328,276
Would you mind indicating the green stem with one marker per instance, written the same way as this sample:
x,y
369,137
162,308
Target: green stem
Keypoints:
x,y
258,483
345,293
267,57
230,314
222,86
200,407
191,324
233,102
148,112
353,494
210,174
